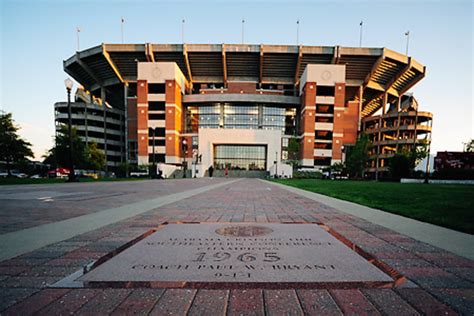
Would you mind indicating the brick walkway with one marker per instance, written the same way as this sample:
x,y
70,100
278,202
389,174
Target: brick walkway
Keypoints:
x,y
439,282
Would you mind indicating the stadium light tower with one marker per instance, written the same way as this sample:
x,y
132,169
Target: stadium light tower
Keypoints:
x,y
72,176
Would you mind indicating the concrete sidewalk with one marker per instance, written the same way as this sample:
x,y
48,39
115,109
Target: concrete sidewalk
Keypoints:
x,y
456,242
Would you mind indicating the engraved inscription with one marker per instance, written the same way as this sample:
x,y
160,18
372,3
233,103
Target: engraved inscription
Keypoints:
x,y
237,253
239,256
244,231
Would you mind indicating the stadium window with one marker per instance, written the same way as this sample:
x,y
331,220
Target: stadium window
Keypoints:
x,y
159,132
153,116
325,91
324,119
132,90
156,106
156,88
322,161
158,142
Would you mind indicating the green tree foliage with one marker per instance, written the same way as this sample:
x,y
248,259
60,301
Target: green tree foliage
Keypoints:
x,y
84,157
400,166
59,154
357,158
95,158
338,167
125,168
420,152
13,149
293,152
403,164
469,146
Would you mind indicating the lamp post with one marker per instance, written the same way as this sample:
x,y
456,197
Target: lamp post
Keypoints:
x,y
185,150
72,176
153,175
276,164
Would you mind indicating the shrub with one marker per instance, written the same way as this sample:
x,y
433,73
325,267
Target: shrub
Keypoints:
x,y
307,175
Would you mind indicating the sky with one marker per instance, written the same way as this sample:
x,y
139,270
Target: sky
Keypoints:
x,y
36,36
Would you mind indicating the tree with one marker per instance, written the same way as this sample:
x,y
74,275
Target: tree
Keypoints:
x,y
469,146
59,154
404,162
293,151
400,166
95,158
13,149
358,156
420,151
338,167
416,154
84,156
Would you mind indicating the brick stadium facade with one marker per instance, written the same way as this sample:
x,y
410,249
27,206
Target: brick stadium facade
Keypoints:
x,y
239,106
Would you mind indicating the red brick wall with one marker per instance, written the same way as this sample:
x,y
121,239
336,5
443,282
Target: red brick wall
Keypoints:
x,y
308,104
132,118
142,117
339,94
338,126
189,139
346,120
351,122
246,87
142,91
173,118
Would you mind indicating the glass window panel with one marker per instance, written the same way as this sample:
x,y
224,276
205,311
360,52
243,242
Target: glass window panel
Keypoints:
x,y
240,157
242,116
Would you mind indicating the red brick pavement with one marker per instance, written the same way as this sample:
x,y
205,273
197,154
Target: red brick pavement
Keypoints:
x,y
439,283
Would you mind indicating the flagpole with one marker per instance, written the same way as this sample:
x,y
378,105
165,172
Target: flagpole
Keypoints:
x,y
243,22
121,28
78,30
360,35
297,32
182,30
407,34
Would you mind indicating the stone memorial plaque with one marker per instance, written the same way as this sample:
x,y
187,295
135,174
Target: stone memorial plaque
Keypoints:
x,y
250,253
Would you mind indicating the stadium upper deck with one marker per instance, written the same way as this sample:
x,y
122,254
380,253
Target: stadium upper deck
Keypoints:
x,y
377,70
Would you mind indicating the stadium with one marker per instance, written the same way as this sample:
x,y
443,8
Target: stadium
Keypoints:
x,y
244,107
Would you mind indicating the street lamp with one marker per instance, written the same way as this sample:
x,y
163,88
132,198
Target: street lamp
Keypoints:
x,y
72,176
276,164
185,150
153,174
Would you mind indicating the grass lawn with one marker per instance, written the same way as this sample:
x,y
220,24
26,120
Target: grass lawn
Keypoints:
x,y
450,206
5,181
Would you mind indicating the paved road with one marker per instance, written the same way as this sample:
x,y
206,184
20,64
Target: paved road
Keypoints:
x,y
27,206
439,282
